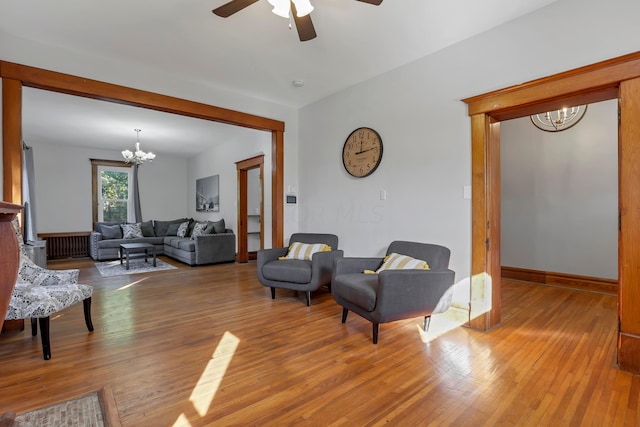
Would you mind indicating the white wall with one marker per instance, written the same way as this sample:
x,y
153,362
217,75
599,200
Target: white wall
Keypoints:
x,y
221,160
560,195
426,131
87,64
63,187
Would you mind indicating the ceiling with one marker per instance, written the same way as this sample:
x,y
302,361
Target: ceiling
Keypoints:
x,y
252,52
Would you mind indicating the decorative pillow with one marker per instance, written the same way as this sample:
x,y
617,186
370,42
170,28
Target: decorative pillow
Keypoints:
x,y
161,228
183,229
219,227
111,231
172,229
147,229
396,261
131,231
210,229
299,250
198,229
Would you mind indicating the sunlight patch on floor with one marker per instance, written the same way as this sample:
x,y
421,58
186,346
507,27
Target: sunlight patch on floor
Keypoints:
x,y
440,325
205,390
132,284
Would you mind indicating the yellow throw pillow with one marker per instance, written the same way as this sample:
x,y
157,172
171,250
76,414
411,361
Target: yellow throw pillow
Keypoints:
x,y
401,262
299,250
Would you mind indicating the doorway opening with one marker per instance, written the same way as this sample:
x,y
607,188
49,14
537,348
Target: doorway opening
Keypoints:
x,y
250,207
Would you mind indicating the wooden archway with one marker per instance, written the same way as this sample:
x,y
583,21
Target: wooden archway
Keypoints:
x,y
616,78
15,76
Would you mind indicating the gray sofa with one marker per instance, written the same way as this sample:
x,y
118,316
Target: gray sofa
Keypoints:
x,y
217,245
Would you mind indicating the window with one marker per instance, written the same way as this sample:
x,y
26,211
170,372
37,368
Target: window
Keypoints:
x,y
112,191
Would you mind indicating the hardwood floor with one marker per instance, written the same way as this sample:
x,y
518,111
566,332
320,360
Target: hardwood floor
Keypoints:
x,y
207,346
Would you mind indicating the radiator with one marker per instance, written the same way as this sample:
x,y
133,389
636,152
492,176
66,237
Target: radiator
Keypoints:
x,y
66,245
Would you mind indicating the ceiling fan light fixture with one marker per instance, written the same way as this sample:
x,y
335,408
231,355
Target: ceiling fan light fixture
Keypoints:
x,y
281,7
303,7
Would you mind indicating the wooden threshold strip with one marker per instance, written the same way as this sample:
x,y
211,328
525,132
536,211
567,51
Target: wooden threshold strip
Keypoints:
x,y
573,281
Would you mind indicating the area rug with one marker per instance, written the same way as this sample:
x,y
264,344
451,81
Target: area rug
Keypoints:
x,y
136,266
96,409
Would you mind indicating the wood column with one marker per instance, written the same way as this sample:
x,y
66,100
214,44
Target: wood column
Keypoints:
x,y
12,140
485,228
629,231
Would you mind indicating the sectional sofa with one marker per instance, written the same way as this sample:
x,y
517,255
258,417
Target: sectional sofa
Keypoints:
x,y
211,242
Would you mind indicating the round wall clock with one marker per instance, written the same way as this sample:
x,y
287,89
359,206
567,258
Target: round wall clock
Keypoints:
x,y
362,152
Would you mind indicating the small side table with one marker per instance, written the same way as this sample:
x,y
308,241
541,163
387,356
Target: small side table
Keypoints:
x,y
136,250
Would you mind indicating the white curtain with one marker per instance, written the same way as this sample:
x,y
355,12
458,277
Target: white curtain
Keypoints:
x,y
28,194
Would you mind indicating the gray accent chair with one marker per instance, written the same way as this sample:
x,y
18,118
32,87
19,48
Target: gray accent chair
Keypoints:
x,y
295,274
395,294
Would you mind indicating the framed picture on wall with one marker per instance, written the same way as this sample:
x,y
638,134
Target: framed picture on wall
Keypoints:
x,y
208,194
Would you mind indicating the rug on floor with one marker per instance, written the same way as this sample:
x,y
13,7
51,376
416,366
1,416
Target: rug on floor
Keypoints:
x,y
96,409
136,266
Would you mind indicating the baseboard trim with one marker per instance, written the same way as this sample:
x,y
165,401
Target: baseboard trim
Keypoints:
x,y
583,283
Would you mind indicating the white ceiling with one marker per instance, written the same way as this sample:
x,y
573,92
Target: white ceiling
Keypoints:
x,y
252,52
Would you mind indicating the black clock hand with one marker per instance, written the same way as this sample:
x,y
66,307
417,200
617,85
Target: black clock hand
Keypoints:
x,y
364,151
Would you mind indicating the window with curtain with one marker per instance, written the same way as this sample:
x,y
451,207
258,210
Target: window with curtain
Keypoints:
x,y
112,191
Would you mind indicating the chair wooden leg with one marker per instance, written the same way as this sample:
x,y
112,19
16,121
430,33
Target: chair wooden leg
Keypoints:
x,y
375,332
344,314
44,336
273,293
34,326
308,295
427,322
86,304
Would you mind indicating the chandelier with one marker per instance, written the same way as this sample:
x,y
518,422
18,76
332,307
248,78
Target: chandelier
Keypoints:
x,y
559,120
138,156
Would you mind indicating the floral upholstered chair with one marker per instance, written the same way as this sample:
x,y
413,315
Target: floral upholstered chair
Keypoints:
x,y
39,293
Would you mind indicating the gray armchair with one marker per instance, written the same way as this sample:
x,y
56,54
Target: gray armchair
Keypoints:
x,y
296,274
394,294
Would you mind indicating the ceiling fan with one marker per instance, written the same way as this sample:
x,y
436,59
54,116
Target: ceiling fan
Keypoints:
x,y
301,13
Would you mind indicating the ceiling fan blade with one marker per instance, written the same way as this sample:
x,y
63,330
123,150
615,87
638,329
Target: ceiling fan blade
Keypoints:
x,y
373,2
305,28
228,9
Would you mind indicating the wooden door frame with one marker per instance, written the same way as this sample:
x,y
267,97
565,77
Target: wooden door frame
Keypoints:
x,y
243,166
15,76
617,78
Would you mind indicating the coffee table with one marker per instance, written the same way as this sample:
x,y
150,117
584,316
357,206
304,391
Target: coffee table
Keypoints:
x,y
137,250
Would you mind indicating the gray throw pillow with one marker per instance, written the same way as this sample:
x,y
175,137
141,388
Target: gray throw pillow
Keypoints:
x,y
111,231
172,229
147,229
161,228
209,229
219,227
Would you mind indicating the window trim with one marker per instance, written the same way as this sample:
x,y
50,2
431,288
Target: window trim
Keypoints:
x,y
95,164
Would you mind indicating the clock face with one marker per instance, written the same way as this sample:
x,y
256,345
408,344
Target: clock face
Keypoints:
x,y
362,152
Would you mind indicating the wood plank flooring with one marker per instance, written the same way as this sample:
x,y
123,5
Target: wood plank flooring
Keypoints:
x,y
207,346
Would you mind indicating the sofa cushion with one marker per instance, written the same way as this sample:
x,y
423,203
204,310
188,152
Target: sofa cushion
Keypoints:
x,y
161,227
111,231
290,270
147,229
219,227
359,289
172,229
131,231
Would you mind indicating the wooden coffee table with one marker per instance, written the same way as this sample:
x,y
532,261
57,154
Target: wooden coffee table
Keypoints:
x,y
137,250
